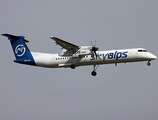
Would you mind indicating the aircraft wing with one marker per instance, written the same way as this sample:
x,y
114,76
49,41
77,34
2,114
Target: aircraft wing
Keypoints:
x,y
68,46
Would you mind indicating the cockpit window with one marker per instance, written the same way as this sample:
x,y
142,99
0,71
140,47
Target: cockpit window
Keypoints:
x,y
142,51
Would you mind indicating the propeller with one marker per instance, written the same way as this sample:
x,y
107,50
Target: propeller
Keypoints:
x,y
94,48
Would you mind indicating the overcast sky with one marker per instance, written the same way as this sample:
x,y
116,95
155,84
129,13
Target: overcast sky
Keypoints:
x,y
126,92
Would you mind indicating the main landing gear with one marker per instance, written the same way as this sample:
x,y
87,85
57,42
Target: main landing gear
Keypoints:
x,y
74,60
72,66
94,73
148,63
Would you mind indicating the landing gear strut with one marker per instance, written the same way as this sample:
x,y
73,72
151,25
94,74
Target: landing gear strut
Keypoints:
x,y
148,63
93,73
74,60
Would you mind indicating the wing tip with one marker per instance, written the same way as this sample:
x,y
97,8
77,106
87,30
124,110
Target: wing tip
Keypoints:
x,y
52,37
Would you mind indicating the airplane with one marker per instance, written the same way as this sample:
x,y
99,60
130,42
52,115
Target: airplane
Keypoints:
x,y
73,56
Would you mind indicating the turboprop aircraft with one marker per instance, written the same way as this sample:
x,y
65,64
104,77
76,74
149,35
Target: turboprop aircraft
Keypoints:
x,y
73,56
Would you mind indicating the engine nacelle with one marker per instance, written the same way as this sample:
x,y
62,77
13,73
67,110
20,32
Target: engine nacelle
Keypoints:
x,y
77,53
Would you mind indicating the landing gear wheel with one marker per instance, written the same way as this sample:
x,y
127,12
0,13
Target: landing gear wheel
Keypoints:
x,y
93,73
148,63
72,66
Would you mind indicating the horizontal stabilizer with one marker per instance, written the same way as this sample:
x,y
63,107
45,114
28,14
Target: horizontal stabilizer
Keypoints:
x,y
13,37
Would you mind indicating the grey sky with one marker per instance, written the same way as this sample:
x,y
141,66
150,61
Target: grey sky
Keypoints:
x,y
128,91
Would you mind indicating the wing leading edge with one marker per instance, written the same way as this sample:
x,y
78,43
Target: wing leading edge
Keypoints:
x,y
68,46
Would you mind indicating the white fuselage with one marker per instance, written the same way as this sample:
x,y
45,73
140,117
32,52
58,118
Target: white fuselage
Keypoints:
x,y
103,57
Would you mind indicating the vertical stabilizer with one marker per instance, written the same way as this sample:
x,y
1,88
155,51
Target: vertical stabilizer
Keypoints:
x,y
20,49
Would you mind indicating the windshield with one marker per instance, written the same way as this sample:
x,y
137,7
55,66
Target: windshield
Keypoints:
x,y
142,51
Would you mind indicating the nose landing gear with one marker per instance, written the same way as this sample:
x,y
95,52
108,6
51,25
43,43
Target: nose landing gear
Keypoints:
x,y
148,63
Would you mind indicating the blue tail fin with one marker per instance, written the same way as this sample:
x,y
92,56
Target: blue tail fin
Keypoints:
x,y
20,49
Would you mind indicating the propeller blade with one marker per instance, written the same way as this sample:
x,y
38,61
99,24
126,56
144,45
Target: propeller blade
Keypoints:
x,y
95,43
95,53
92,43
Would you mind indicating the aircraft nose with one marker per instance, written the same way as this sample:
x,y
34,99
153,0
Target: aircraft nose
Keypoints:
x,y
153,57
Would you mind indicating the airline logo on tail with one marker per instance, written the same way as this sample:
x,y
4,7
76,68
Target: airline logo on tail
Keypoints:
x,y
20,50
